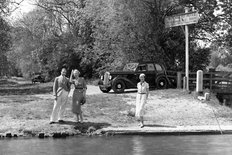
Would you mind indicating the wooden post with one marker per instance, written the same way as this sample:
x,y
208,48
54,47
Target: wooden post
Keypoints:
x,y
184,83
199,82
224,102
179,79
210,81
207,96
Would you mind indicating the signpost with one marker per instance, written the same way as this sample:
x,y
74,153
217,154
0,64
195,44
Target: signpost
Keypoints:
x,y
183,19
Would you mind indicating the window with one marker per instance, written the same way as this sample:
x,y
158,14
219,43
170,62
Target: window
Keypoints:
x,y
130,67
158,67
150,67
142,68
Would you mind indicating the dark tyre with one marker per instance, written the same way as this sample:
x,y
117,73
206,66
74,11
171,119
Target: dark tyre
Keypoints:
x,y
105,90
161,83
119,86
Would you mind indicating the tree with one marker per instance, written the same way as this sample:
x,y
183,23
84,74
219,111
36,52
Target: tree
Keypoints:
x,y
8,6
75,29
26,35
101,35
5,44
135,31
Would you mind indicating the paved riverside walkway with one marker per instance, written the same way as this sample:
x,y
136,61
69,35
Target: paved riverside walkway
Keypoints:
x,y
169,130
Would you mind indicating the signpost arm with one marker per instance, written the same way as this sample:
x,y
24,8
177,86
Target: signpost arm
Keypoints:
x,y
187,54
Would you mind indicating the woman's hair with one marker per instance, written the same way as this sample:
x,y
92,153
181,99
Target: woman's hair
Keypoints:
x,y
75,70
141,75
63,68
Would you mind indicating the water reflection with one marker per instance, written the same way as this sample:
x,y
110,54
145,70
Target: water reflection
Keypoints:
x,y
138,146
120,145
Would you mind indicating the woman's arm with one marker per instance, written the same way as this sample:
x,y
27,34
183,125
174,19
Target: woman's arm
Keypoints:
x,y
84,87
71,77
147,90
55,87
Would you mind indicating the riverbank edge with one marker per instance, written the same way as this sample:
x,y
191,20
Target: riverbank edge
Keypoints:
x,y
113,131
179,130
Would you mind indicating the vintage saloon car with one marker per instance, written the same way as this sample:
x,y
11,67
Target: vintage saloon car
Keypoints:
x,y
129,77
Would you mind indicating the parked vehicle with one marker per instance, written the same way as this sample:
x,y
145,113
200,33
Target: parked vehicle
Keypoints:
x,y
38,78
129,77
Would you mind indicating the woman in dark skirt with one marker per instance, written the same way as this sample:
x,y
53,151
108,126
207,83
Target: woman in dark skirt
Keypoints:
x,y
79,94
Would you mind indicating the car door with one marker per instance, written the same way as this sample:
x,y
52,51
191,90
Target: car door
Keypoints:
x,y
150,74
142,68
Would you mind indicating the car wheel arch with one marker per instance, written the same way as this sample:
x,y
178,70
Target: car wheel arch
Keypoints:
x,y
114,85
125,80
164,81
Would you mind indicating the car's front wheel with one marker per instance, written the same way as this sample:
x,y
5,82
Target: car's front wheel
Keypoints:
x,y
119,86
161,83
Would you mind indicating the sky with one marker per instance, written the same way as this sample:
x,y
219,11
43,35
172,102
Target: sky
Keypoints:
x,y
24,7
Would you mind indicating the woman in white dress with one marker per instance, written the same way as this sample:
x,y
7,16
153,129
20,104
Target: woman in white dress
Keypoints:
x,y
141,99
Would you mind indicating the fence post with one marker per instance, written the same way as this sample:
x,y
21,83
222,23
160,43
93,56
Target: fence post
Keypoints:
x,y
178,80
210,82
184,82
224,102
199,82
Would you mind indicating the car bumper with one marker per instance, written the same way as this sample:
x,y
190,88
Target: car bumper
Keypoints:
x,y
105,86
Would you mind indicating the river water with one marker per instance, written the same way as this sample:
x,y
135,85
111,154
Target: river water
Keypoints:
x,y
120,145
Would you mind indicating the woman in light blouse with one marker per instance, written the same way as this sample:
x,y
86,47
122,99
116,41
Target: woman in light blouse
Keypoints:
x,y
79,94
143,91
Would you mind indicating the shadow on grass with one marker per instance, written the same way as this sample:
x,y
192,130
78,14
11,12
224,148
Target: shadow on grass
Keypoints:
x,y
86,126
13,88
125,92
131,91
6,82
25,91
157,125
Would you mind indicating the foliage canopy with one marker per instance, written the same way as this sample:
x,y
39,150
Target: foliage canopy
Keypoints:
x,y
95,35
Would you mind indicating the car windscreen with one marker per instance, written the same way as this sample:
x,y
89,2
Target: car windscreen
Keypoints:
x,y
130,67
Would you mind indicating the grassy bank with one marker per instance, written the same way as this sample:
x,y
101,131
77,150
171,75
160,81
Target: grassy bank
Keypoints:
x,y
25,110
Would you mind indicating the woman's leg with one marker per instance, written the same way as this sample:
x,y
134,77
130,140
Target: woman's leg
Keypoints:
x,y
143,102
141,122
137,110
77,115
81,117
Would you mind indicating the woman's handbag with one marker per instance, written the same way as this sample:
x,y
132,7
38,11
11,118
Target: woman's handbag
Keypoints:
x,y
83,101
